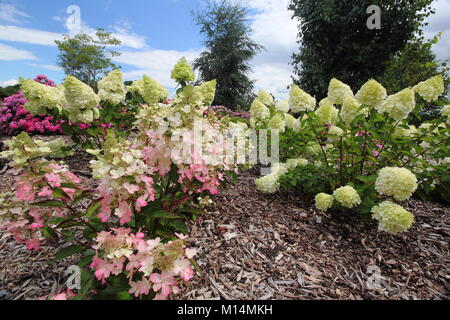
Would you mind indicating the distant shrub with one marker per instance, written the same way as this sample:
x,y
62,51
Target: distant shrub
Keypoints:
x,y
14,118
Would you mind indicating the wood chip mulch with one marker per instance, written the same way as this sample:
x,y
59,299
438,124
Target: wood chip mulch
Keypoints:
x,y
255,246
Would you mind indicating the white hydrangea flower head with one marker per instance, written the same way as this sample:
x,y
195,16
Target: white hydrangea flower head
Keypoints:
x,y
399,105
324,201
299,100
277,122
292,122
150,90
182,72
350,109
347,196
335,133
269,183
445,112
259,111
405,133
431,89
265,98
282,105
208,92
338,91
392,217
81,101
298,162
327,112
41,97
111,88
399,183
371,94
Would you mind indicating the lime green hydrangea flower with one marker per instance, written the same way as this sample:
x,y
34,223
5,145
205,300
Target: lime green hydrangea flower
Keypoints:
x,y
291,122
399,105
182,72
335,133
190,95
208,92
399,183
259,111
111,88
327,112
405,132
350,109
22,148
445,112
392,218
298,162
371,94
324,201
265,98
277,122
347,197
41,97
150,90
430,89
282,105
338,91
299,100
269,183
81,101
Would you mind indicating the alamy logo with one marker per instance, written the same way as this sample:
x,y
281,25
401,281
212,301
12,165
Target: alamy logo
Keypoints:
x,y
374,281
73,22
374,21
74,280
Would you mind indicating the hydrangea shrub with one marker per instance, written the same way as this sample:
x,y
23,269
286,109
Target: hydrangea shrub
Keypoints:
x,y
130,230
14,118
359,153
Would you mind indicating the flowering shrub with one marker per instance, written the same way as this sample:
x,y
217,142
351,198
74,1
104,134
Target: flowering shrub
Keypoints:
x,y
79,111
129,229
14,118
223,111
358,149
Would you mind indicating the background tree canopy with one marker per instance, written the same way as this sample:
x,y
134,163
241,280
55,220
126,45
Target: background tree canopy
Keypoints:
x,y
336,42
229,50
87,58
7,91
415,63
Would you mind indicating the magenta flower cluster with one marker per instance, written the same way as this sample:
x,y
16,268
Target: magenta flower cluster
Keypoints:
x,y
14,118
222,110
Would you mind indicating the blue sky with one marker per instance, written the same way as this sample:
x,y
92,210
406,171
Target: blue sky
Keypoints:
x,y
154,34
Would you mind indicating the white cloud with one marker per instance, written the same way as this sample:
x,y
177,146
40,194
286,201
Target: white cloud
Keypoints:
x,y
273,28
8,83
35,36
123,31
155,63
28,35
44,66
439,22
10,53
277,32
10,14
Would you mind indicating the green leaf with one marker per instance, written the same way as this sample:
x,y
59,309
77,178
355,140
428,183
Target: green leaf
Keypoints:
x,y
67,252
92,209
161,214
50,204
58,193
179,225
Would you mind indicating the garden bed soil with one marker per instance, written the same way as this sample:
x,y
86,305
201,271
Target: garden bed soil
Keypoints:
x,y
256,246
